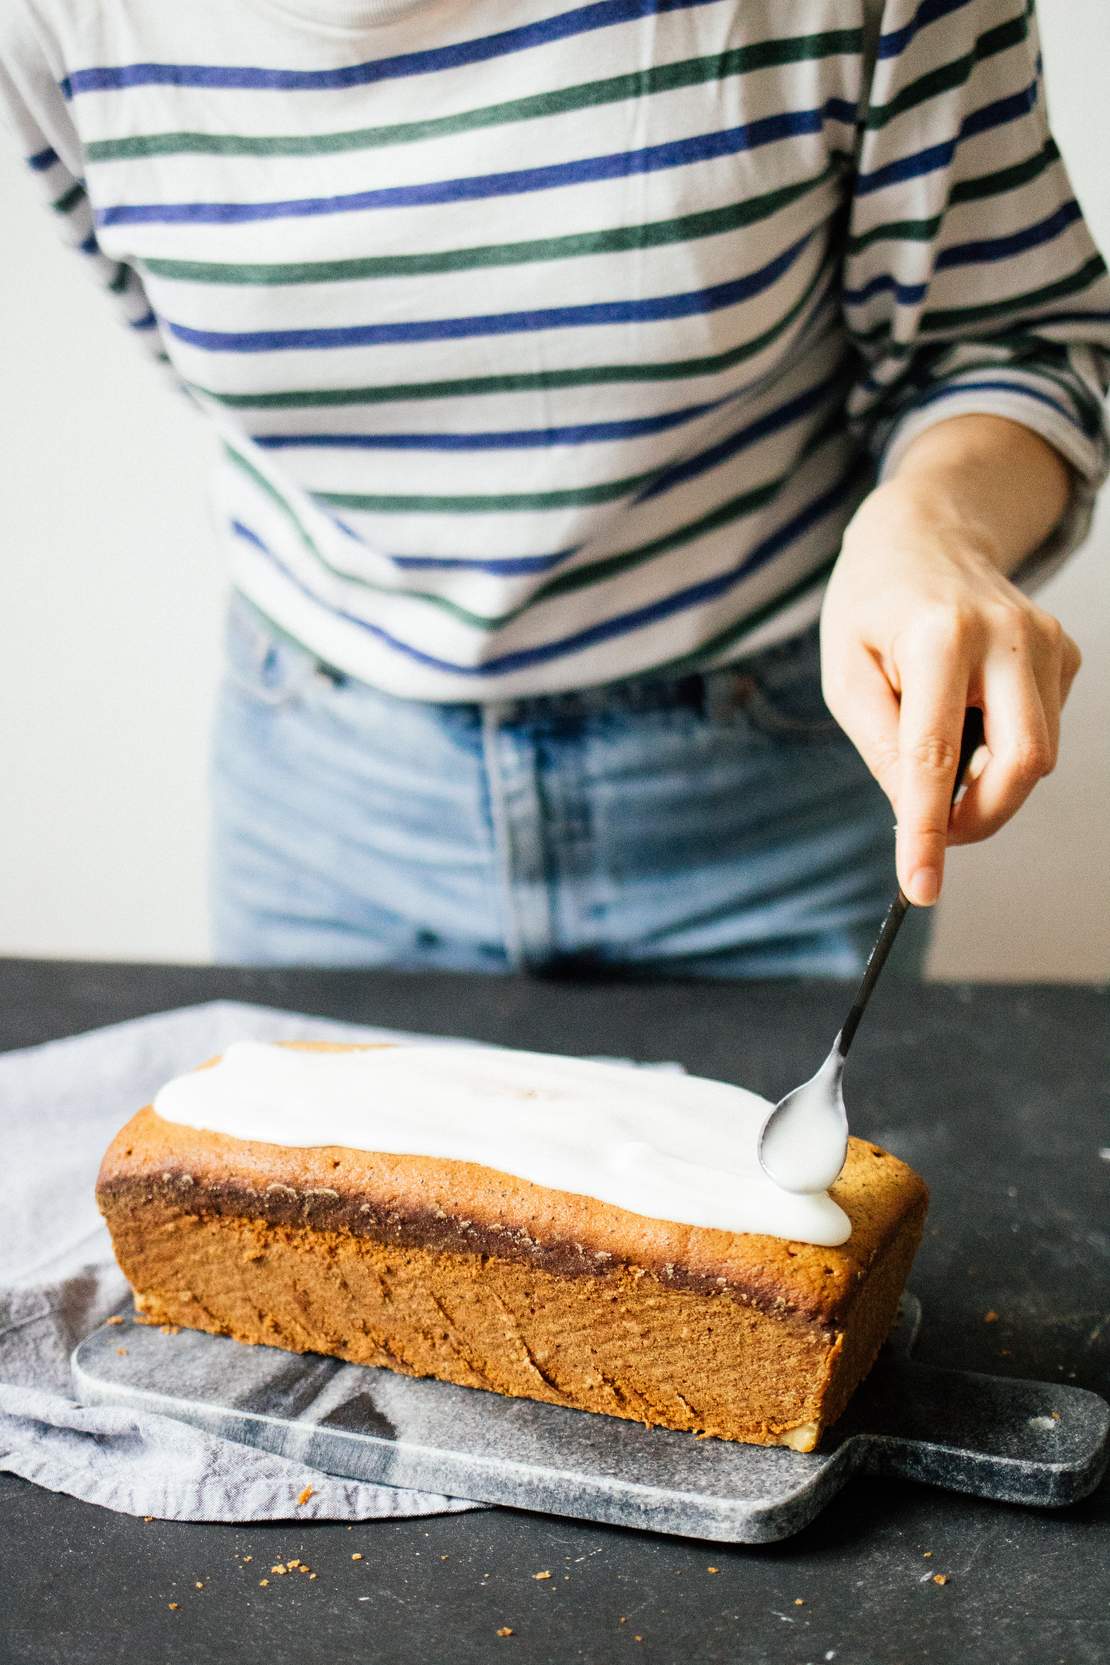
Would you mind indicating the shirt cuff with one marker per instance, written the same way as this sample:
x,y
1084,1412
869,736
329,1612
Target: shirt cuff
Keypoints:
x,y
1087,457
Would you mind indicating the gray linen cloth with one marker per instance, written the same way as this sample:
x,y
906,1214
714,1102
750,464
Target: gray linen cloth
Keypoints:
x,y
60,1105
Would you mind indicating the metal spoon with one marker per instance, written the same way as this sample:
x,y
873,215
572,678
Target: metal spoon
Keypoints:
x,y
804,1141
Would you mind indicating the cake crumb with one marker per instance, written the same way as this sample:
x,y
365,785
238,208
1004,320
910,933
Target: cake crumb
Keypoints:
x,y
173,1606
444,1558
116,1319
311,1576
1055,1415
247,1559
357,1556
199,1584
637,1638
540,1575
279,1568
122,1351
712,1569
292,1563
990,1317
623,1620
940,1578
304,1496
170,1329
147,1519
928,1554
799,1601
506,1630
262,1583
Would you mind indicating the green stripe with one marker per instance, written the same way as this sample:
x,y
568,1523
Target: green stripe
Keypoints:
x,y
955,317
751,621
67,202
618,240
574,497
585,95
565,583
948,76
965,190
520,382
120,278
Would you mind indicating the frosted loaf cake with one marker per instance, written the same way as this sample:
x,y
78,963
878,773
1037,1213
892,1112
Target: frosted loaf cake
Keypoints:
x,y
644,1293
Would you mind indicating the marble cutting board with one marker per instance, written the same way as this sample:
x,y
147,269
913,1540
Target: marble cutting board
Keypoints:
x,y
1016,1441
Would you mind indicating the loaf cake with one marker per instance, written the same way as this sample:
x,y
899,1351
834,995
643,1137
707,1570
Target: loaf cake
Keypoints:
x,y
442,1267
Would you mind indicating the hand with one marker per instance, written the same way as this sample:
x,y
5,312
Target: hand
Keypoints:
x,y
919,622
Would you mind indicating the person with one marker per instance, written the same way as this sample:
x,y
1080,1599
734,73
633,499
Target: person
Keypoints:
x,y
571,361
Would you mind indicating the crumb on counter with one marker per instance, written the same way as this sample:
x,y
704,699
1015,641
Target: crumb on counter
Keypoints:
x,y
262,1583
116,1319
357,1556
303,1497
990,1317
540,1575
940,1578
506,1630
799,1601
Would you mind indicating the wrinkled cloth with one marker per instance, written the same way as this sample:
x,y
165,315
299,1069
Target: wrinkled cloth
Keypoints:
x,y
60,1105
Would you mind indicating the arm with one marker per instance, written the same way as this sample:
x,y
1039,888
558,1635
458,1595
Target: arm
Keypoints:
x,y
980,310
33,108
920,621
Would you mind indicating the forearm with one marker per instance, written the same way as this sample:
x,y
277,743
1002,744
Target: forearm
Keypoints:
x,y
988,481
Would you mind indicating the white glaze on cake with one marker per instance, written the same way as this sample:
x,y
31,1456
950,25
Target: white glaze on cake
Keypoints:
x,y
669,1146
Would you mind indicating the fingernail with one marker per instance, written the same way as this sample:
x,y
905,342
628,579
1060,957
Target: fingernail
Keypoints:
x,y
925,887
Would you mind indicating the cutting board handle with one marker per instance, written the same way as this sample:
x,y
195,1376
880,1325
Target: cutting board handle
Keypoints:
x,y
1036,1443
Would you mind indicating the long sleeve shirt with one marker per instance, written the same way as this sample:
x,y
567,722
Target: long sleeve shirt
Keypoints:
x,y
550,343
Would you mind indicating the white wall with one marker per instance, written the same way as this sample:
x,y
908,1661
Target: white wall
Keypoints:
x,y
110,599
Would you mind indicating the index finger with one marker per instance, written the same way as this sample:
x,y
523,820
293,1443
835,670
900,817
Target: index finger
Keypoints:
x,y
930,728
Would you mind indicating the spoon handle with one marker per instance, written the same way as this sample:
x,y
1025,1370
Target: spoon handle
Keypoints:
x,y
969,745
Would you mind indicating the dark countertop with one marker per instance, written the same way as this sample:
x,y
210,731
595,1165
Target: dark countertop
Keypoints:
x,y
999,1095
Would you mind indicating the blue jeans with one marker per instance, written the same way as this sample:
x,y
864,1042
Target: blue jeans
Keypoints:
x,y
714,825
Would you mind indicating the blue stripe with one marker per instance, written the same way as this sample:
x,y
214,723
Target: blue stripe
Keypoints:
x,y
147,322
521,439
1001,248
929,11
954,389
509,566
685,305
584,433
999,113
89,244
622,624
42,159
604,14
970,254
770,423
702,147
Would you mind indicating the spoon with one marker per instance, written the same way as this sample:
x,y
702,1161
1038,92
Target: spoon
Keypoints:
x,y
804,1141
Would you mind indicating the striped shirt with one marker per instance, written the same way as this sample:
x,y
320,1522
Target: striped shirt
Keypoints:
x,y
555,343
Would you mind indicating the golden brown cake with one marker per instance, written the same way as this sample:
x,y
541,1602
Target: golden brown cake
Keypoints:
x,y
443,1268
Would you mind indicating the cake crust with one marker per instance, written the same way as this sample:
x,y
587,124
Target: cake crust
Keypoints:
x,y
447,1268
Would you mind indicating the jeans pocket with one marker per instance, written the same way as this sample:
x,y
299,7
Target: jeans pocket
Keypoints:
x,y
262,663
779,692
